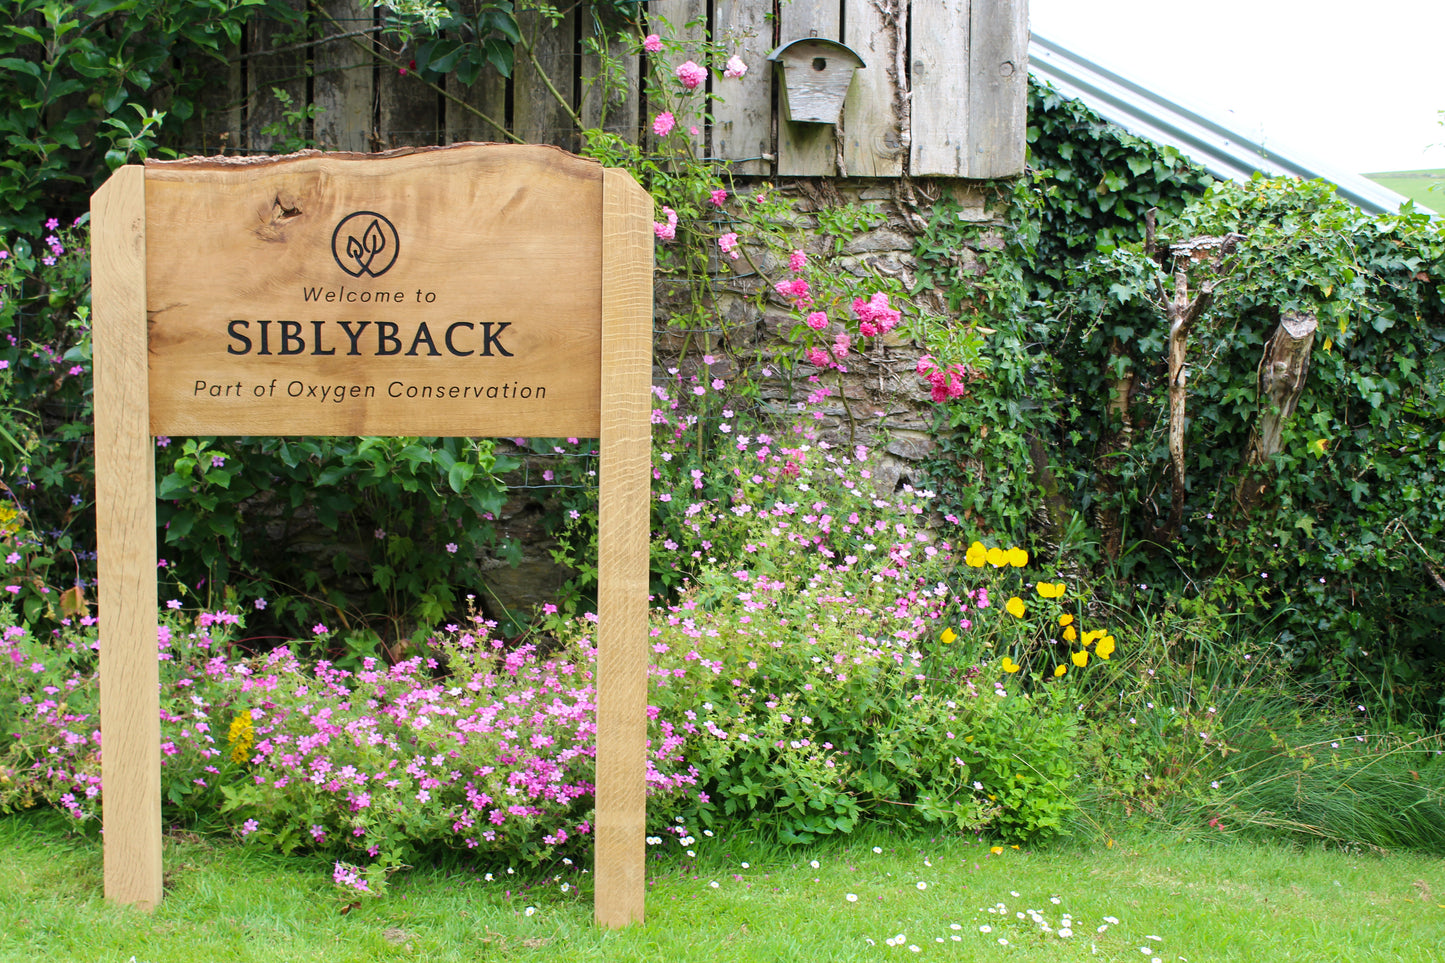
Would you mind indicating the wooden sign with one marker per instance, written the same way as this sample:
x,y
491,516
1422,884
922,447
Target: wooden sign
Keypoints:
x,y
470,290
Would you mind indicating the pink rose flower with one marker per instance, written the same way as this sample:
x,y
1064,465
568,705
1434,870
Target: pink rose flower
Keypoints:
x,y
735,67
718,196
691,74
652,43
663,124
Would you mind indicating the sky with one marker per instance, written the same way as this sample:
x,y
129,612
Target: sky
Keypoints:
x,y
1359,86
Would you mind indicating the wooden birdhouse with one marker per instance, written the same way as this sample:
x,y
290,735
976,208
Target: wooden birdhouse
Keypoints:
x,y
816,75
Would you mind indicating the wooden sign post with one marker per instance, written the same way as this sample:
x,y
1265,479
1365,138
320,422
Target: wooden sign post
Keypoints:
x,y
496,290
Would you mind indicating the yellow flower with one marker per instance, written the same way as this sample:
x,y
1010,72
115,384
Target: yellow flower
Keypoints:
x,y
948,636
1009,665
1066,620
1060,670
996,850
1106,647
1069,634
1081,658
241,737
997,557
1015,607
1050,591
976,555
1091,637
1017,557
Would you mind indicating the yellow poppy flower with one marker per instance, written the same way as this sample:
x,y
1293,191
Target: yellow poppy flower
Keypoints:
x,y
976,555
1081,658
1069,634
948,636
1066,620
1017,557
1009,665
1060,670
996,850
1050,590
997,557
1015,607
1105,647
1091,637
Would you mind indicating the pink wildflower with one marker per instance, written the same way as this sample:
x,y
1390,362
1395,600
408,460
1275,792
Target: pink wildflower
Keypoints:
x,y
735,67
652,43
690,74
664,122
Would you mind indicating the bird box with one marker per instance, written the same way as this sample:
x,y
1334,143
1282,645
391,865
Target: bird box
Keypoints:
x,y
816,75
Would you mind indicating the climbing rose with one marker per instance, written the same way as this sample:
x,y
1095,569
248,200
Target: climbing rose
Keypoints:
x,y
729,244
817,320
718,196
691,74
797,261
652,43
735,67
663,124
668,231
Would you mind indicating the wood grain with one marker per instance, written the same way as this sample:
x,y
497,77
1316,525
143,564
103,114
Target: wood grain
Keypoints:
x,y
872,140
998,69
742,131
940,96
343,82
126,545
538,117
486,231
806,150
623,564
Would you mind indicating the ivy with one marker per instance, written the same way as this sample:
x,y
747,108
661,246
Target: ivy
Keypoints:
x,y
1338,558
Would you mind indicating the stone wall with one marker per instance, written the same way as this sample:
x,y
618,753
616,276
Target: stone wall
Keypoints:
x,y
883,403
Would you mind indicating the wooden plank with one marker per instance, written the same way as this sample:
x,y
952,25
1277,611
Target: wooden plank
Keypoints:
x,y
742,131
683,21
485,98
268,69
807,150
408,111
343,85
872,138
997,88
612,89
442,291
623,523
125,497
538,115
938,77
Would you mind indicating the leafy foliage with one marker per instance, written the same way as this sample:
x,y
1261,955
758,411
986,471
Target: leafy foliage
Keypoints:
x,y
1339,558
88,85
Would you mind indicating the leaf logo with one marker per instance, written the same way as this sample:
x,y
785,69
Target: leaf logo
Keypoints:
x,y
365,244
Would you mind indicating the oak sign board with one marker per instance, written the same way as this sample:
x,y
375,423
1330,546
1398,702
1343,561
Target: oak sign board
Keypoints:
x,y
478,289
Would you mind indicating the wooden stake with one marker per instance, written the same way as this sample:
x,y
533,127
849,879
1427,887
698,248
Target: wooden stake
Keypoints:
x,y
622,524
125,495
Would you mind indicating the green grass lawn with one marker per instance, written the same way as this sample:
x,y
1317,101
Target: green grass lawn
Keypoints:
x,y
1425,188
873,897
